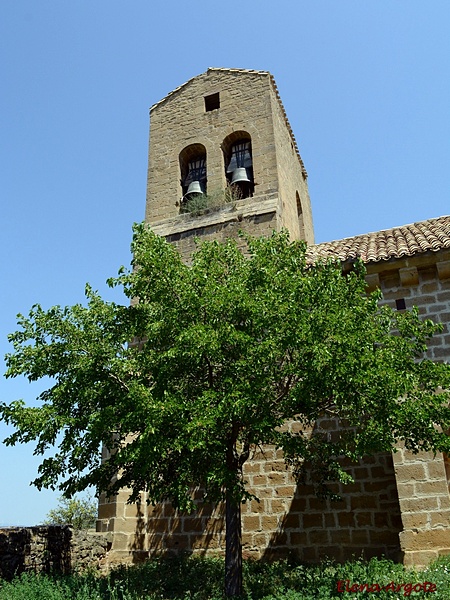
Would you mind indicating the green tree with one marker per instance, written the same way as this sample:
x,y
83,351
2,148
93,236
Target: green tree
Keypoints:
x,y
80,513
223,352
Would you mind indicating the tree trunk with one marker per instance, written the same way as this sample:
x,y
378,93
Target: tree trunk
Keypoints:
x,y
233,548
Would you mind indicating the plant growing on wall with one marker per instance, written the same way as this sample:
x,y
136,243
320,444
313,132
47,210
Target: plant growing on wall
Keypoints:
x,y
196,204
224,352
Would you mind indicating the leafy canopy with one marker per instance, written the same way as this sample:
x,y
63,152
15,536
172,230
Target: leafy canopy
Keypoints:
x,y
79,512
222,353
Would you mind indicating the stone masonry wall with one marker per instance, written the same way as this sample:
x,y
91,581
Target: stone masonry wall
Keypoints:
x,y
180,120
422,479
289,519
291,181
258,216
249,106
185,242
50,548
399,506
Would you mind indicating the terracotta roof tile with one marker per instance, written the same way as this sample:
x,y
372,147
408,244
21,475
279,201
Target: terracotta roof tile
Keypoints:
x,y
431,235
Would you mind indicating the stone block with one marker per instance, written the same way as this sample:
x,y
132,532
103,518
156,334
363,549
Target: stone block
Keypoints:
x,y
264,492
330,520
409,276
278,466
310,554
193,525
269,522
421,456
252,467
122,541
176,525
410,472
443,269
343,537
205,543
434,487
291,521
444,503
107,511
285,491
315,503
443,296
177,542
298,504
161,525
251,522
276,479
384,537
429,539
440,519
436,469
361,473
348,518
422,504
259,480
384,518
256,507
373,282
298,539
363,502
260,539
359,537
366,519
415,520
134,511
419,559
277,505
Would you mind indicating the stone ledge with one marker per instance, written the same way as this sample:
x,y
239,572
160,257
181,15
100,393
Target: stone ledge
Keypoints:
x,y
231,212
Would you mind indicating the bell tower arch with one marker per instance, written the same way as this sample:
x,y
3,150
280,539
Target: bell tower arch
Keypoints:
x,y
224,135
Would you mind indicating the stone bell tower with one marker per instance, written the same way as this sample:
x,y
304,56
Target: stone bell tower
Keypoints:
x,y
223,158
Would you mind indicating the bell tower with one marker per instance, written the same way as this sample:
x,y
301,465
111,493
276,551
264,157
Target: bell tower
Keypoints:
x,y
223,158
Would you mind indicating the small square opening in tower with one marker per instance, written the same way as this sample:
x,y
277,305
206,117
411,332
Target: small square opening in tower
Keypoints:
x,y
400,304
212,102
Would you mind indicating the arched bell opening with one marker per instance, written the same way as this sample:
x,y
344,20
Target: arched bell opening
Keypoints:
x,y
300,214
193,172
237,151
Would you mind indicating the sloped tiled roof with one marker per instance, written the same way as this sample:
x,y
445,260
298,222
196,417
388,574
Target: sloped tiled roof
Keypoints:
x,y
425,236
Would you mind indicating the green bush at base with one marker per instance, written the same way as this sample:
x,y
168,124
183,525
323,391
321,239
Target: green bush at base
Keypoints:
x,y
202,579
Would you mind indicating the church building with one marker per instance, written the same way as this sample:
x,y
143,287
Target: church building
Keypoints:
x,y
223,158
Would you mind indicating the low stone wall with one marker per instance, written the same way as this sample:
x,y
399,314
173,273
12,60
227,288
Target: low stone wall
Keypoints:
x,y
50,548
89,550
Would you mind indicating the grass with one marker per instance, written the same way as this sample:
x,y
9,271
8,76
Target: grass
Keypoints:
x,y
202,579
199,203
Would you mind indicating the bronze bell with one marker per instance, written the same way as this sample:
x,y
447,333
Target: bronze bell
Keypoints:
x,y
194,188
240,175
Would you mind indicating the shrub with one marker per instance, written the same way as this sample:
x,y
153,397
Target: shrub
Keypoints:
x,y
192,578
80,513
197,203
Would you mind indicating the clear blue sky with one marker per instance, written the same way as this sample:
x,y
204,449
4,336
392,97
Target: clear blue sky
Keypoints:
x,y
366,86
